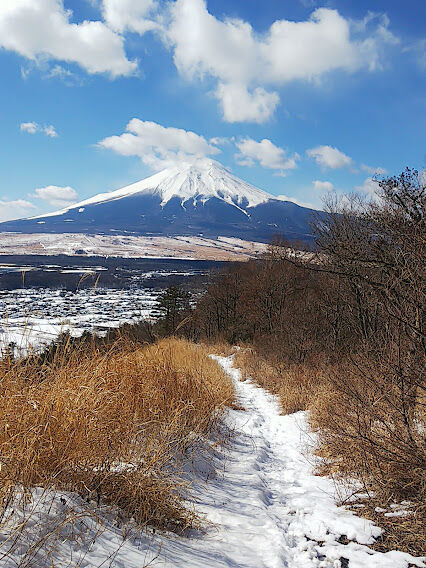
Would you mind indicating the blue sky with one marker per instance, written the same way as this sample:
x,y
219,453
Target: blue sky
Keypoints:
x,y
297,97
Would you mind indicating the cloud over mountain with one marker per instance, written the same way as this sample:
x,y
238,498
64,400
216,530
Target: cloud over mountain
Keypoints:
x,y
15,208
159,146
247,66
266,154
322,186
55,195
329,157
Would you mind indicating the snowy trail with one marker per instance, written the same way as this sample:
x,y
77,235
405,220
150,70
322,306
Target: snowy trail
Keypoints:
x,y
264,506
269,510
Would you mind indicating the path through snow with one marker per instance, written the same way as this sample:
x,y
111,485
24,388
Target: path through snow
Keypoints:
x,y
267,508
270,510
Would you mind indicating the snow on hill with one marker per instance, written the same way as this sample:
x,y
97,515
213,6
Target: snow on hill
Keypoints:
x,y
262,505
130,246
202,199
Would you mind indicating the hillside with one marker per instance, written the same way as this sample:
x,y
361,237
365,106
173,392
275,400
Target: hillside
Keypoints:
x,y
153,476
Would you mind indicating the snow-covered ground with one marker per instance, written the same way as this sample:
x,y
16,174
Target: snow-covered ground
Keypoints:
x,y
130,246
263,508
35,316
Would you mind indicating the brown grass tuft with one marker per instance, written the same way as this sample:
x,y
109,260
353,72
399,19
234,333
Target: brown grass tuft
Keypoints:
x,y
113,426
297,386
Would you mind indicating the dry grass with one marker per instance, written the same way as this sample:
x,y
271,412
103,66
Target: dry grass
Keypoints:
x,y
364,435
297,386
113,426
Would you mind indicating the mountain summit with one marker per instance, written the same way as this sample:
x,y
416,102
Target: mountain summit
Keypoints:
x,y
196,182
201,198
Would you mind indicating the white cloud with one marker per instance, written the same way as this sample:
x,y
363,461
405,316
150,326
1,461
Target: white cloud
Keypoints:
x,y
296,201
159,146
266,154
240,105
56,195
34,127
14,209
30,127
373,171
59,72
329,157
52,71
221,140
41,30
246,64
132,15
381,21
322,186
50,131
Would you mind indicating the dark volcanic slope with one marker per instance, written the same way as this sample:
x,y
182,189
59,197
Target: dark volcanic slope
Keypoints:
x,y
143,215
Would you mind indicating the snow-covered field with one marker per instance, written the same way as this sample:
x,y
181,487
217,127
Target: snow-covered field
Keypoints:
x,y
129,246
34,317
262,505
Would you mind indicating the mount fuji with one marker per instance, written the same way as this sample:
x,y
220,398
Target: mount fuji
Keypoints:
x,y
198,199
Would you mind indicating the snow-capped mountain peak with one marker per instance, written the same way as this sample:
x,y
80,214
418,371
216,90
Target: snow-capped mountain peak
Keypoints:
x,y
205,179
197,181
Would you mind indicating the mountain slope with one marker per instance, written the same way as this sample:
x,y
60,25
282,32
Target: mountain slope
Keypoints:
x,y
194,199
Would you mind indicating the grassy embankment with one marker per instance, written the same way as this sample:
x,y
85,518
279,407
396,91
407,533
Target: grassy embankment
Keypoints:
x,y
116,426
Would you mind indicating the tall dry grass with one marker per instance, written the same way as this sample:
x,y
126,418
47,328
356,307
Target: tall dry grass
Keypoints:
x,y
363,434
297,386
114,426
